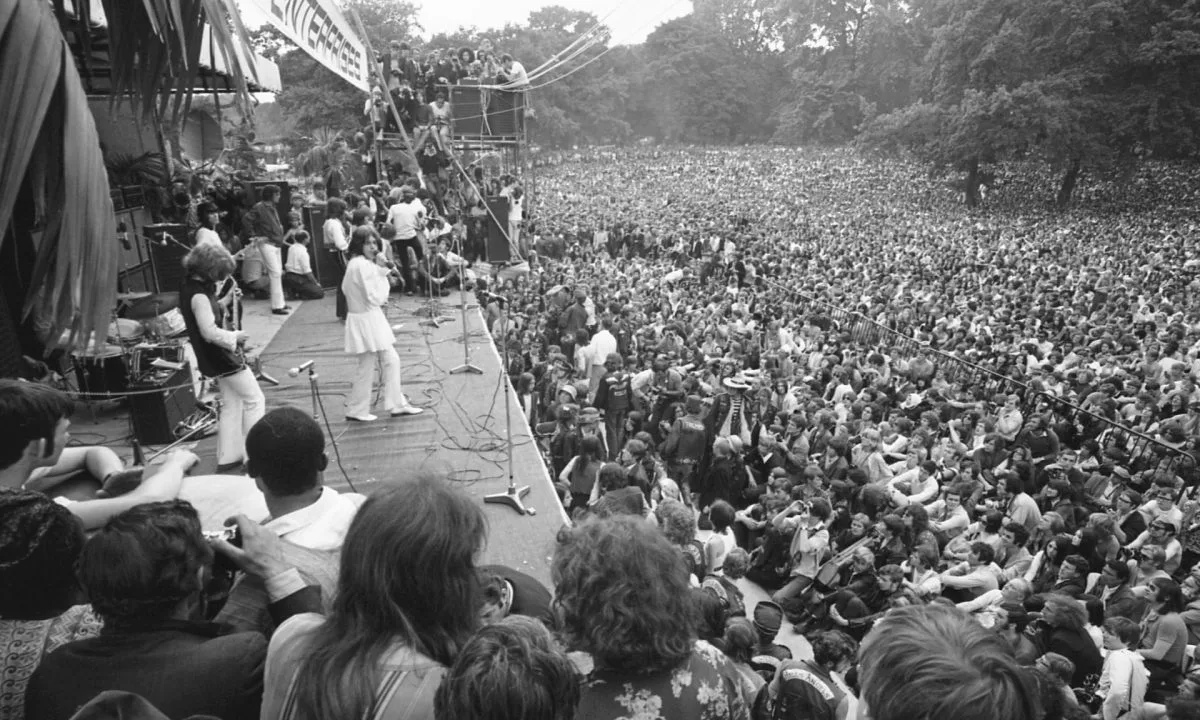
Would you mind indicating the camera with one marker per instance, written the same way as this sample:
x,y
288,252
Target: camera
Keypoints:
x,y
230,535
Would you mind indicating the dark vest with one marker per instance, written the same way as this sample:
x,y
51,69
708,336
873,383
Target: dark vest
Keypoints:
x,y
214,361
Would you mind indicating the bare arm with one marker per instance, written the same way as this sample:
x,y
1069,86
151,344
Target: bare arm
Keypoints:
x,y
163,485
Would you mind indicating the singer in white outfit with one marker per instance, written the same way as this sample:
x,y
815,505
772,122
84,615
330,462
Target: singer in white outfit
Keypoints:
x,y
368,335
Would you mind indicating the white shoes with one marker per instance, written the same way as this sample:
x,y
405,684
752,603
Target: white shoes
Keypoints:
x,y
407,410
362,418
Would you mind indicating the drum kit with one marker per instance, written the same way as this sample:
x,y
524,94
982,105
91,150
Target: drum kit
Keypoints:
x,y
151,327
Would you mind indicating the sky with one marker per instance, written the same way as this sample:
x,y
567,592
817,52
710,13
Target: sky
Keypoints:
x,y
630,20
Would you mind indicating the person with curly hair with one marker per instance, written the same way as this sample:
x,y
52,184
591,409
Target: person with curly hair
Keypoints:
x,y
622,596
218,351
510,670
144,574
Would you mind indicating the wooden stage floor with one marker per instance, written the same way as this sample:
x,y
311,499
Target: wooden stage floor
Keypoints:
x,y
460,436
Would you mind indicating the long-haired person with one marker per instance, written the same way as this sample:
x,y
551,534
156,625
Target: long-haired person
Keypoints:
x,y
242,402
406,604
622,596
368,335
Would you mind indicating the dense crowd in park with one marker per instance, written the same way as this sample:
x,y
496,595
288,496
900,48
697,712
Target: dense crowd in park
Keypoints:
x,y
956,452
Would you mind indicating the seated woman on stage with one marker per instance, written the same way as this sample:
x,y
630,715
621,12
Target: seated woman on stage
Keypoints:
x,y
217,352
368,335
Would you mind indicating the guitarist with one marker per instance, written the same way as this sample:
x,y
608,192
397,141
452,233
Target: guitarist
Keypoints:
x,y
807,525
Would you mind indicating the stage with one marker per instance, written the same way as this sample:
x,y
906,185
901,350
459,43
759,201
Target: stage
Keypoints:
x,y
460,436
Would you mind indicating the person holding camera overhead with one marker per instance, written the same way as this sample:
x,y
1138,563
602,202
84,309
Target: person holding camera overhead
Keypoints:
x,y
807,524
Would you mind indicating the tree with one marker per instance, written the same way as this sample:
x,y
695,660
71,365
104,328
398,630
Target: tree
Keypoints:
x,y
315,98
1082,85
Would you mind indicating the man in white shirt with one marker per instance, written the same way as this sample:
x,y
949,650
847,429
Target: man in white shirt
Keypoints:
x,y
285,455
603,344
975,577
518,79
408,217
916,486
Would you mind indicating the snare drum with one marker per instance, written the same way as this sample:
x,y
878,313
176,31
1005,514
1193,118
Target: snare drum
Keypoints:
x,y
169,324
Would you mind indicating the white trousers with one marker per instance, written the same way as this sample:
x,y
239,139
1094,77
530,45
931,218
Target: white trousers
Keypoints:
x,y
242,405
358,402
273,264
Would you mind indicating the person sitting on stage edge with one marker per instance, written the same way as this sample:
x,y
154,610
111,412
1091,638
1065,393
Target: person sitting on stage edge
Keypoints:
x,y
33,450
285,454
368,335
217,352
298,277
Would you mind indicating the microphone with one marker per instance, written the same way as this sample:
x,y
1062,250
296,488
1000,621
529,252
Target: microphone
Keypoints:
x,y
295,372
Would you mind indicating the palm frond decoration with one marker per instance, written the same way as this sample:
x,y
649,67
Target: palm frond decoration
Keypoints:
x,y
49,147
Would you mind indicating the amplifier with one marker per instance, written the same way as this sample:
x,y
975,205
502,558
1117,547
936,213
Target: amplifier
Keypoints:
x,y
157,403
166,256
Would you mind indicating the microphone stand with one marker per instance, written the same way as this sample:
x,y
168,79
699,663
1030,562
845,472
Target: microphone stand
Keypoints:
x,y
512,496
311,367
466,367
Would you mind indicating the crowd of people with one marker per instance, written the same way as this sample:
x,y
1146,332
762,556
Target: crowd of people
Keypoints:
x,y
958,454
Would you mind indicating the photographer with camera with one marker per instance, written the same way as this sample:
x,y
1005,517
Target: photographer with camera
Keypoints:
x,y
145,574
807,524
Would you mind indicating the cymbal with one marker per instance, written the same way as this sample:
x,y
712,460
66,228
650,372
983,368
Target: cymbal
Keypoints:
x,y
153,306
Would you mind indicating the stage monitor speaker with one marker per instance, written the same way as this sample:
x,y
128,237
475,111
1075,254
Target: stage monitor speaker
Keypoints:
x,y
283,205
166,245
158,403
498,248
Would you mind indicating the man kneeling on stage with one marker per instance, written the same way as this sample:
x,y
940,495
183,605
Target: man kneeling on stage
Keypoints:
x,y
436,274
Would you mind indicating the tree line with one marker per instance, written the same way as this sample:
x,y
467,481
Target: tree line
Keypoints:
x,y
1080,85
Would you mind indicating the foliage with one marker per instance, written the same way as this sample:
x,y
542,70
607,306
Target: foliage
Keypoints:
x,y
52,152
327,157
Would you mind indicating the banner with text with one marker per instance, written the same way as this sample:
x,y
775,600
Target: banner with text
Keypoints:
x,y
321,30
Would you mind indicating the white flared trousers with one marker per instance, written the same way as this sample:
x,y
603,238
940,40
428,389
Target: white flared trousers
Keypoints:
x,y
358,402
242,405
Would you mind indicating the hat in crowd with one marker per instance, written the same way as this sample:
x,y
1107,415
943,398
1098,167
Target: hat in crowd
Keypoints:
x,y
1121,472
694,404
589,416
737,382
570,390
768,617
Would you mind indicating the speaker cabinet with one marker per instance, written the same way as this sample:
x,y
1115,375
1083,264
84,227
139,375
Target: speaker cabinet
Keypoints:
x,y
166,245
501,118
498,248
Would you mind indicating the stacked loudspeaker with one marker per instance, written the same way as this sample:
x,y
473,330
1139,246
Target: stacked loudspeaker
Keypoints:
x,y
499,119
